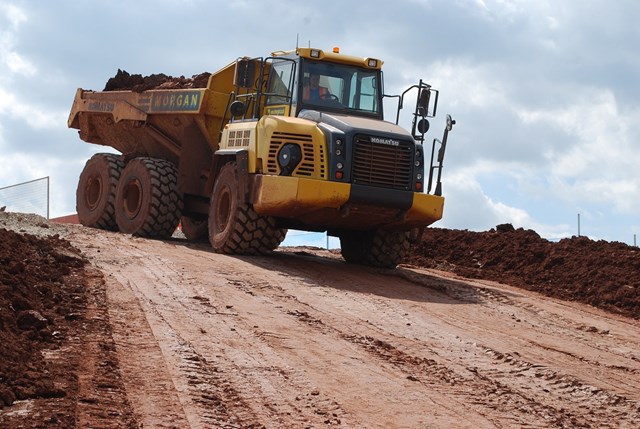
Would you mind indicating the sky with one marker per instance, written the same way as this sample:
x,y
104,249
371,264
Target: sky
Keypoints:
x,y
546,94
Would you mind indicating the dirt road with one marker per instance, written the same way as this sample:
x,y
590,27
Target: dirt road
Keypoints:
x,y
301,339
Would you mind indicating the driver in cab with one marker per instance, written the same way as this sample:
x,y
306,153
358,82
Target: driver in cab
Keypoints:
x,y
313,91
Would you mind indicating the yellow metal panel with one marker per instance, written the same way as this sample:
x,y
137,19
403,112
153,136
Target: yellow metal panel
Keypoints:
x,y
275,131
241,135
318,203
238,135
290,196
274,194
323,194
426,206
332,57
222,80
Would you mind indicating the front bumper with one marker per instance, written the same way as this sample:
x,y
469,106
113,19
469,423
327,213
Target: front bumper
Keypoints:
x,y
320,205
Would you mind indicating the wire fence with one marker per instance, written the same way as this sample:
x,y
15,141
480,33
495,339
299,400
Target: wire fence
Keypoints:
x,y
27,197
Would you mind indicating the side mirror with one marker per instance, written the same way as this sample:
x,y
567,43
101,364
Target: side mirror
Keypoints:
x,y
423,102
450,123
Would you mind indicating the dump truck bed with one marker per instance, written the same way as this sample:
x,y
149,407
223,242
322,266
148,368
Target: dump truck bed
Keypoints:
x,y
160,123
153,123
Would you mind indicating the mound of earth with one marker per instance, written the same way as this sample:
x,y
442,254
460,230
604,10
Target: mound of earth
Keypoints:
x,y
600,273
136,82
58,361
40,297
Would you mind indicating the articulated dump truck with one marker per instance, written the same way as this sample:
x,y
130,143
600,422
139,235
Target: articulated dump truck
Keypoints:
x,y
296,140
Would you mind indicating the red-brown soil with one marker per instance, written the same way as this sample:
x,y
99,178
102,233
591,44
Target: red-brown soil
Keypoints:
x,y
136,82
50,313
58,350
41,297
600,273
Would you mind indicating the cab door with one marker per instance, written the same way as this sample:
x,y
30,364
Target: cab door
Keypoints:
x,y
280,92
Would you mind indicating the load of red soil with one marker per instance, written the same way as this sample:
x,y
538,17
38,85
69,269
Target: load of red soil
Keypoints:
x,y
136,82
600,273
39,300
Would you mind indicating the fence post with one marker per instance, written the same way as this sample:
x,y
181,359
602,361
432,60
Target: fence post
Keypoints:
x,y
48,196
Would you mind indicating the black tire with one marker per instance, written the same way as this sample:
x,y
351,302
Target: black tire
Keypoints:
x,y
195,229
234,227
384,249
352,246
96,193
148,203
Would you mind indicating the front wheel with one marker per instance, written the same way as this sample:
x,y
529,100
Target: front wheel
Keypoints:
x,y
234,226
148,203
378,248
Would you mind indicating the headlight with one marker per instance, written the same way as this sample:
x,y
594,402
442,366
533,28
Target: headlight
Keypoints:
x,y
289,157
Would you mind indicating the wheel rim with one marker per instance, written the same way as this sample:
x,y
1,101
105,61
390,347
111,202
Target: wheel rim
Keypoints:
x,y
223,209
93,192
132,198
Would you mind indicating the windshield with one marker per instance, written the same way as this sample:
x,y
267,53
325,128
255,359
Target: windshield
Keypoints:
x,y
340,87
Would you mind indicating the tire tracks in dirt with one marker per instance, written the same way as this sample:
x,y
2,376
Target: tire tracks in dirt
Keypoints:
x,y
300,340
576,403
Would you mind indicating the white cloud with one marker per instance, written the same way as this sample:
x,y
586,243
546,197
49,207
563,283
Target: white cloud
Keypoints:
x,y
12,104
600,164
466,85
35,117
15,62
467,206
465,197
14,14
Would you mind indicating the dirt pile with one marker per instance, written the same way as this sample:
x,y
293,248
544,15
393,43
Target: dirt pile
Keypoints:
x,y
58,364
136,82
41,295
600,273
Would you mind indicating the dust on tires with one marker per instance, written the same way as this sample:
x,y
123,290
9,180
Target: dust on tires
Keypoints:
x,y
96,192
148,203
234,226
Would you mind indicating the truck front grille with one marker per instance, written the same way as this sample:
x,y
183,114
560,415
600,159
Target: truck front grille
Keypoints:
x,y
380,164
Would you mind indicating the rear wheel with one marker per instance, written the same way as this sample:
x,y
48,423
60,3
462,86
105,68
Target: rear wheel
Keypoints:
x,y
148,203
235,227
379,248
95,196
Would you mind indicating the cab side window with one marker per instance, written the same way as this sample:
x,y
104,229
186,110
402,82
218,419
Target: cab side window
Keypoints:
x,y
280,87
